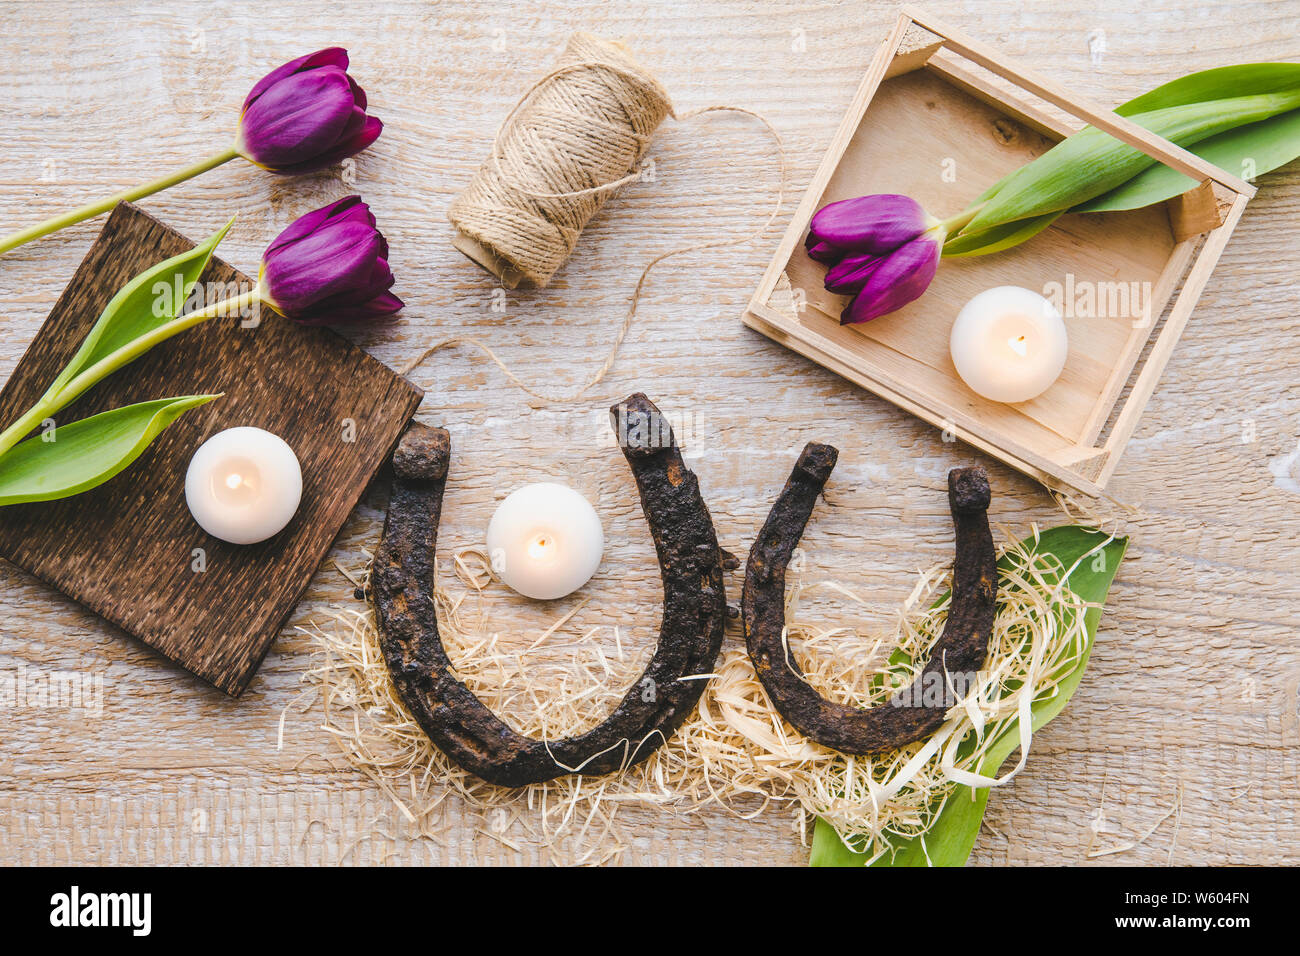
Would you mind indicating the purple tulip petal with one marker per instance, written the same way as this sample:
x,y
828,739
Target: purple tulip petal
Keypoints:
x,y
358,94
876,224
379,281
850,274
355,124
332,260
388,302
899,279
331,56
349,207
342,151
377,308
297,119
823,252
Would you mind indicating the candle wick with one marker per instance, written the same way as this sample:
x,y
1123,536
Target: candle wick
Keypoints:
x,y
539,547
1018,345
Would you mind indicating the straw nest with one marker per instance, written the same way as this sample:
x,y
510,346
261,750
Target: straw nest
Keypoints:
x,y
735,754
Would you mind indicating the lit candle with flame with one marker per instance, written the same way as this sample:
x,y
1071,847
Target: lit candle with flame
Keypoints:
x,y
1009,344
243,485
545,541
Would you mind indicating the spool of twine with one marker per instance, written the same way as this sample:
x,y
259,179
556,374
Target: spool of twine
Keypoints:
x,y
577,136
574,138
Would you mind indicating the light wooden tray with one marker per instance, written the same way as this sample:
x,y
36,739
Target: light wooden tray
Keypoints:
x,y
939,117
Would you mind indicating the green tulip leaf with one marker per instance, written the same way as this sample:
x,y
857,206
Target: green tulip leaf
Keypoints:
x,y
1092,162
1247,151
1244,79
1094,559
135,310
84,454
997,238
1100,174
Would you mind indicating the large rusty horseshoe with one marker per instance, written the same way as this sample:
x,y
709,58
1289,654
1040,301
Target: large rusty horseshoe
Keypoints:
x,y
694,612
960,651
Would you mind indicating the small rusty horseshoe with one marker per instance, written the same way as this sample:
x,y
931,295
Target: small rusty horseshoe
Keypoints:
x,y
918,709
694,612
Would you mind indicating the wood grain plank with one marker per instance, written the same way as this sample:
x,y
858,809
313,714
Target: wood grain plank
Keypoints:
x,y
1194,678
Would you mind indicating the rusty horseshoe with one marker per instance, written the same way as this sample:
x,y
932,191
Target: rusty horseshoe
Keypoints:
x,y
959,652
694,612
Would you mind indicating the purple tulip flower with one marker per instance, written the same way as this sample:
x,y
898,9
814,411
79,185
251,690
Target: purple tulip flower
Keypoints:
x,y
306,115
895,280
330,267
883,250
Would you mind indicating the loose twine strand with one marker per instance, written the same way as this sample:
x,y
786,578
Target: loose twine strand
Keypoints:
x,y
573,139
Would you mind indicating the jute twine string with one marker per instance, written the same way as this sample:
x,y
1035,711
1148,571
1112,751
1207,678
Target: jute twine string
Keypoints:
x,y
574,138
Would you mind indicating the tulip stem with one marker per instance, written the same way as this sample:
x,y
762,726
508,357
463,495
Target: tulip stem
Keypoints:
x,y
90,210
958,222
49,404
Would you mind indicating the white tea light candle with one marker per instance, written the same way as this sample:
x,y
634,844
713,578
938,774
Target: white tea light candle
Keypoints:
x,y
243,485
545,541
1009,344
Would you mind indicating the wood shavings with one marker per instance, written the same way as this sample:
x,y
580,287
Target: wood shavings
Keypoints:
x,y
735,753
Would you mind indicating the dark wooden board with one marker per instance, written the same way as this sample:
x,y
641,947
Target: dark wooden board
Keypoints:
x,y
126,549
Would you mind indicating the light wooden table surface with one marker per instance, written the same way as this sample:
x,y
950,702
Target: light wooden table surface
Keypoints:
x,y
1193,684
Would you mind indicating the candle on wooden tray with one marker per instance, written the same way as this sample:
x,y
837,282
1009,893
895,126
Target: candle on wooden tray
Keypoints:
x,y
243,485
1009,344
